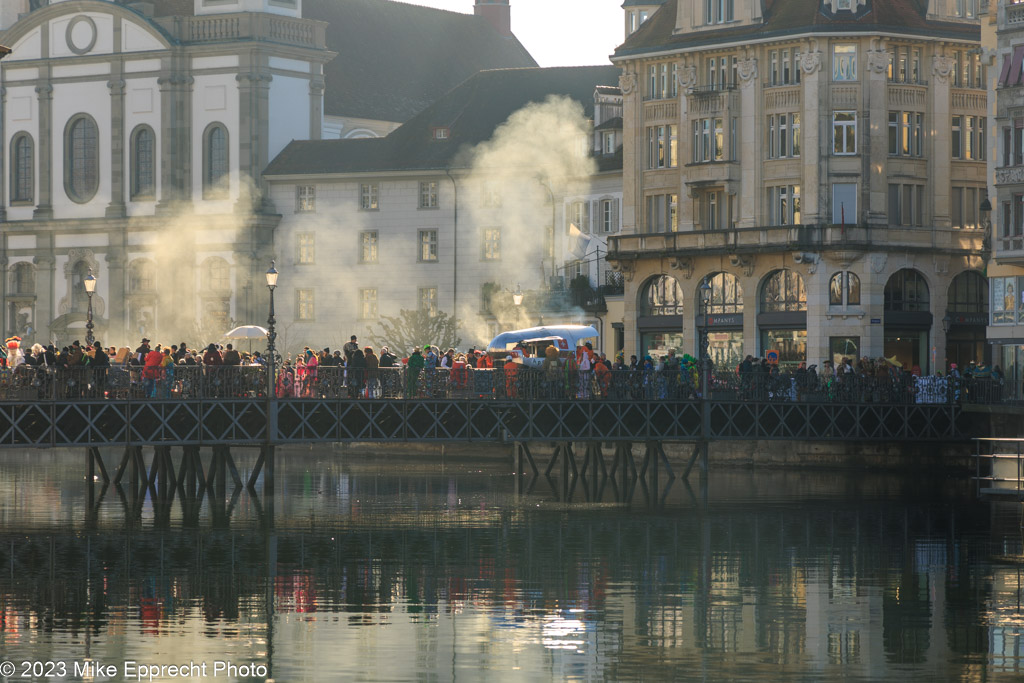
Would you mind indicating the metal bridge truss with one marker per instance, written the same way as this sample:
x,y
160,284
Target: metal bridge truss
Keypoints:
x,y
245,422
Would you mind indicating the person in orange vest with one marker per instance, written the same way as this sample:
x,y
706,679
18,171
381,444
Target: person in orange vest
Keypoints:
x,y
604,376
511,371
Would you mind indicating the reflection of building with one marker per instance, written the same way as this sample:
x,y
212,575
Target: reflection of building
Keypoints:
x,y
1006,271
829,180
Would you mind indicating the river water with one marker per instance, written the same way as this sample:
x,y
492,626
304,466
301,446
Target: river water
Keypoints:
x,y
396,569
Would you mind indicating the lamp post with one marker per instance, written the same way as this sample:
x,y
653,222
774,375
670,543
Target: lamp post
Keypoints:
x,y
705,355
517,296
90,288
271,333
947,322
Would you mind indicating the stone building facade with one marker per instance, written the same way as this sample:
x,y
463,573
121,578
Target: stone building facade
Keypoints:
x,y
132,147
373,226
1006,269
822,164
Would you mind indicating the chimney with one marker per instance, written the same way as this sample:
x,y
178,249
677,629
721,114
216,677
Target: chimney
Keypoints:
x,y
497,12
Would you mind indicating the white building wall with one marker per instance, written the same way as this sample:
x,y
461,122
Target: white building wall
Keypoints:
x,y
215,100
141,107
69,100
289,111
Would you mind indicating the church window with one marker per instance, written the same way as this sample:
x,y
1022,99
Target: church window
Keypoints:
x,y
143,165
215,162
22,169
81,158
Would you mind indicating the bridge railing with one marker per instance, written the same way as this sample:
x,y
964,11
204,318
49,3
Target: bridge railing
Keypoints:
x,y
31,384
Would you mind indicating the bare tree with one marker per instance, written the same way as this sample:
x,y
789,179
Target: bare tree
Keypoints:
x,y
411,329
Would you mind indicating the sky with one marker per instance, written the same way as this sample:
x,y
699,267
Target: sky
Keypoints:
x,y
558,32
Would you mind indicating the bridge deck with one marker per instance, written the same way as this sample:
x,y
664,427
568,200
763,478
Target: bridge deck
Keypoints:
x,y
65,423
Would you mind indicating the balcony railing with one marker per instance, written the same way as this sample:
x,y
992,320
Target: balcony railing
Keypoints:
x,y
796,237
271,28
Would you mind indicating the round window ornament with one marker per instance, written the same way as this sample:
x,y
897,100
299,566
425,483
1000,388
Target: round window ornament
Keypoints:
x,y
81,34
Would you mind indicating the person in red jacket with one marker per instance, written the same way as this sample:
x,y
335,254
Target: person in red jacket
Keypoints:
x,y
152,371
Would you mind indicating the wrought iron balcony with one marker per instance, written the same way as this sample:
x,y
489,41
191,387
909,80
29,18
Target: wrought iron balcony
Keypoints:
x,y
796,238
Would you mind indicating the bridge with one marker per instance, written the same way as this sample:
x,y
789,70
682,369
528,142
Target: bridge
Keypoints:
x,y
227,407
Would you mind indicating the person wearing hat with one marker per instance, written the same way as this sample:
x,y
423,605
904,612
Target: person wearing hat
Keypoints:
x,y
351,347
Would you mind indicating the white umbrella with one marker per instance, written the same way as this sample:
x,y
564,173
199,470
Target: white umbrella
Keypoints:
x,y
248,332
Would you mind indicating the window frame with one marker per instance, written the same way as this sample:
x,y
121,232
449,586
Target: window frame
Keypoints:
x,y
432,307
305,199
305,310
429,195
90,164
490,244
369,296
137,192
369,240
423,240
305,248
213,187
844,126
19,172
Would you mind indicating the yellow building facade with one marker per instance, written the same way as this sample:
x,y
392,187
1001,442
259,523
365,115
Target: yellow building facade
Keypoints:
x,y
822,164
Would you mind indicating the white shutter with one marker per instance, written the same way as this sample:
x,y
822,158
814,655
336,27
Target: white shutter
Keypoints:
x,y
585,228
615,216
595,216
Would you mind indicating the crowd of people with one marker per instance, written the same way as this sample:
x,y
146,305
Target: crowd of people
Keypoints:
x,y
359,371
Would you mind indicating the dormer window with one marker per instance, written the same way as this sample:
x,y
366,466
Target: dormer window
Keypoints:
x,y
718,11
844,4
440,132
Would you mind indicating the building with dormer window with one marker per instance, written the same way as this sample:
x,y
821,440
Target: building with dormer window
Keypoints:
x,y
822,163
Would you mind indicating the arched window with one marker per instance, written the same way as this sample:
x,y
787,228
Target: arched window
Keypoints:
x,y
23,279
79,299
215,162
143,172
968,293
783,291
726,294
906,291
844,288
81,158
663,295
141,277
22,169
216,275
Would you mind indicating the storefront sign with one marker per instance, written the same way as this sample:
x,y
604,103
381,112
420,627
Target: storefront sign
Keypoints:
x,y
722,320
772,356
876,321
665,310
968,318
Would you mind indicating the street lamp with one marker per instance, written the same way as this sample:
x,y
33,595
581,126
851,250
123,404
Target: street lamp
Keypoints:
x,y
517,296
271,333
90,288
947,322
705,356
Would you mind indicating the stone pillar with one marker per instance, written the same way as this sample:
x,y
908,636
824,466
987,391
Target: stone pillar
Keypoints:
x,y
876,146
687,77
5,164
253,136
751,153
751,334
941,153
45,305
813,152
632,190
44,157
176,139
117,311
116,208
316,105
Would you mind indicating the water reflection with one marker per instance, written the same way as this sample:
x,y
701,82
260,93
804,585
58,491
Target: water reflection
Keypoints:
x,y
388,570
